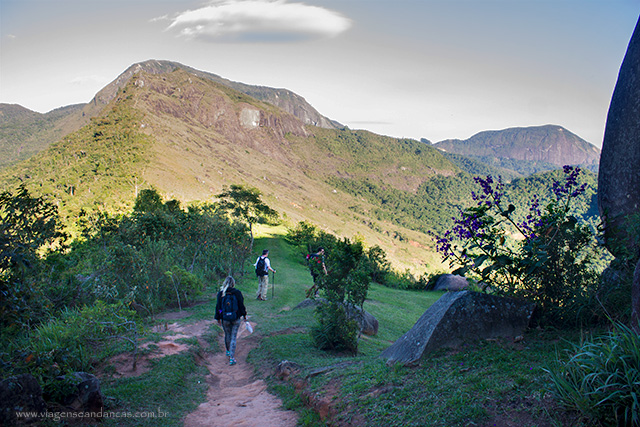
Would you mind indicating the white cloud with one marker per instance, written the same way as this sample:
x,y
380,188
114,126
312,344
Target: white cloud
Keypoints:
x,y
259,20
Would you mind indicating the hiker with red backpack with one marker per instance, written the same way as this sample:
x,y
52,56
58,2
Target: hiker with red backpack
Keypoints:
x,y
229,309
263,266
316,265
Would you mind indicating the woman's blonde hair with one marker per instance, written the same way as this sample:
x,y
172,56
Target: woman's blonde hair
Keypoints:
x,y
229,282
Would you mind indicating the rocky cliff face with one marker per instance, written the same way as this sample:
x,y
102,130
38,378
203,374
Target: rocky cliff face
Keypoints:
x,y
281,98
619,177
550,144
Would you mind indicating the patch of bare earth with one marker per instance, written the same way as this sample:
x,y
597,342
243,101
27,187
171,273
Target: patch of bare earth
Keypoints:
x,y
235,397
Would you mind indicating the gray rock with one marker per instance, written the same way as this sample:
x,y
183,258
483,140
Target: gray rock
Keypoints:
x,y
367,322
619,173
286,369
86,396
451,282
457,317
20,394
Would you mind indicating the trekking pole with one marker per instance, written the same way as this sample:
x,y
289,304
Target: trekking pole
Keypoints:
x,y
273,285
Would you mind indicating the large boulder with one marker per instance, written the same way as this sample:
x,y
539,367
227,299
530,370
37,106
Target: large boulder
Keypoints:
x,y
457,317
451,282
20,394
619,173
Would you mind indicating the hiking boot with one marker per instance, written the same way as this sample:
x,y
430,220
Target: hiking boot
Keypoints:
x,y
232,361
228,353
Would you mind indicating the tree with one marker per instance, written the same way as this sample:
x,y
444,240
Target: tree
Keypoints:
x,y
246,204
27,224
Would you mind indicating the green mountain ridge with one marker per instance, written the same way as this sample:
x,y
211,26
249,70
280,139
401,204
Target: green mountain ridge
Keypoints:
x,y
24,133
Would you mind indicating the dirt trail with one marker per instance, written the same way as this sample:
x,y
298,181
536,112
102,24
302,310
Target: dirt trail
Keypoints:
x,y
235,398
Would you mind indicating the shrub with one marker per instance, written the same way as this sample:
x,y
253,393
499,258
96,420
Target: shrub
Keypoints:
x,y
349,271
601,378
72,342
27,226
545,258
334,330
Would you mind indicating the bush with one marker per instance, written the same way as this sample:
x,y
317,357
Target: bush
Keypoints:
x,y
71,343
334,330
601,378
349,271
546,258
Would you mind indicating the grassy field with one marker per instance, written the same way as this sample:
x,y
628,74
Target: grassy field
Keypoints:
x,y
485,383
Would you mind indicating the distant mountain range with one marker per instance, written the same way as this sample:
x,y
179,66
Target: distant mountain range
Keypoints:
x,y
189,134
526,150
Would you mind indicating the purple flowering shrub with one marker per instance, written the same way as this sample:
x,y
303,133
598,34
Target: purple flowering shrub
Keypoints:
x,y
544,257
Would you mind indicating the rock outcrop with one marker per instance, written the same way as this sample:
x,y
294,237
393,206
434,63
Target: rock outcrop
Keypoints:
x,y
457,317
619,174
284,99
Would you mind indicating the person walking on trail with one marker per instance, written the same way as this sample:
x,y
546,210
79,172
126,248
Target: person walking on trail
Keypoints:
x,y
316,268
229,309
263,266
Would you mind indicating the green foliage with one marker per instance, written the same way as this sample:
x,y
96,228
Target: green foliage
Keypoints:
x,y
379,265
334,330
349,271
148,200
159,256
548,264
27,224
601,378
97,166
68,343
245,203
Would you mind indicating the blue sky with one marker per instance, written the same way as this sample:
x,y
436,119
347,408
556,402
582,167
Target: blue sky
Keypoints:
x,y
432,69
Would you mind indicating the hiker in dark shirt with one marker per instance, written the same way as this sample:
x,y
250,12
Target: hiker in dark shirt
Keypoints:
x,y
316,265
229,314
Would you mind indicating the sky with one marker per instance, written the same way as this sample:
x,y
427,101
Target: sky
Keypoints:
x,y
433,69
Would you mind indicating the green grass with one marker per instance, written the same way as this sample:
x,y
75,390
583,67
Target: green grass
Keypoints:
x,y
174,387
468,385
479,382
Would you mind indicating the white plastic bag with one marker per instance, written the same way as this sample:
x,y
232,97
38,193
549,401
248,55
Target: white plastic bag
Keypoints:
x,y
249,327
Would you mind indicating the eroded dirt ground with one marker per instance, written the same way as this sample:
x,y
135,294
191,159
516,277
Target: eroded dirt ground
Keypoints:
x,y
235,396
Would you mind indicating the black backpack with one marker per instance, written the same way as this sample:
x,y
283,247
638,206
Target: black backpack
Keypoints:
x,y
261,267
229,307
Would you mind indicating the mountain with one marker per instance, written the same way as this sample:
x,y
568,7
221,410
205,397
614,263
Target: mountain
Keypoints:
x,y
190,136
281,98
24,132
526,150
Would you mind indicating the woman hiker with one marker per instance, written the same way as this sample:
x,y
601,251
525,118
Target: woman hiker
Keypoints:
x,y
229,309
